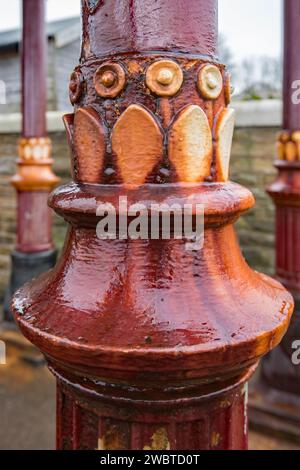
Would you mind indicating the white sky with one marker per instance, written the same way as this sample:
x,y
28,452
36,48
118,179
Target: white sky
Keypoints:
x,y
251,27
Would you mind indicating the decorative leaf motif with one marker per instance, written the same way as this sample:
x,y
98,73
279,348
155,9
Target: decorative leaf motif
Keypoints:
x,y
190,145
223,136
89,143
68,120
137,142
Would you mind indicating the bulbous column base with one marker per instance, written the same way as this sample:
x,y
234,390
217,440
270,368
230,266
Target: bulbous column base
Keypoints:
x,y
152,343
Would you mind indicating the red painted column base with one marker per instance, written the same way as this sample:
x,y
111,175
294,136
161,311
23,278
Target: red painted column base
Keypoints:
x,y
112,417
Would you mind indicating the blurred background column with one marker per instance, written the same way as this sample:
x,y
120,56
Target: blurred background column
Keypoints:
x,y
276,400
34,179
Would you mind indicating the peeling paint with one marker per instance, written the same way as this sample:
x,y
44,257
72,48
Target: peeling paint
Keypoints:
x,y
159,441
225,404
113,439
215,439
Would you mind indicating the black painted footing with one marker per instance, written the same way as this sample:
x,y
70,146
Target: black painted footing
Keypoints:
x,y
25,267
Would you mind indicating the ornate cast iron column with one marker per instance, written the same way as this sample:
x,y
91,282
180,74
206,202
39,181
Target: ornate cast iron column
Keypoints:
x,y
34,180
276,403
152,345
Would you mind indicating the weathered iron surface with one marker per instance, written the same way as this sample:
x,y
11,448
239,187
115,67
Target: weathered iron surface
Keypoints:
x,y
276,397
130,418
134,26
145,119
151,344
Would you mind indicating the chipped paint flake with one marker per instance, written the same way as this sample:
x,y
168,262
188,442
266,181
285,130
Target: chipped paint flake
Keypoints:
x,y
159,441
101,444
215,439
113,439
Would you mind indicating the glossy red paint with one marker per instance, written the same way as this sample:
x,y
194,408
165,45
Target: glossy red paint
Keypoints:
x,y
142,279
33,222
139,27
151,344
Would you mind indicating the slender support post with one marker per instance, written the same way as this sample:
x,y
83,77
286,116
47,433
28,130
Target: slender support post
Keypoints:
x,y
276,401
34,180
152,338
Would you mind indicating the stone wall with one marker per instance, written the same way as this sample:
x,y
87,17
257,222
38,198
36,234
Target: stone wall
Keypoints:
x,y
252,166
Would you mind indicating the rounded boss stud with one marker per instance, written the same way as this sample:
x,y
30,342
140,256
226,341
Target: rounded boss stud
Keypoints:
x,y
75,86
109,80
164,77
210,82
